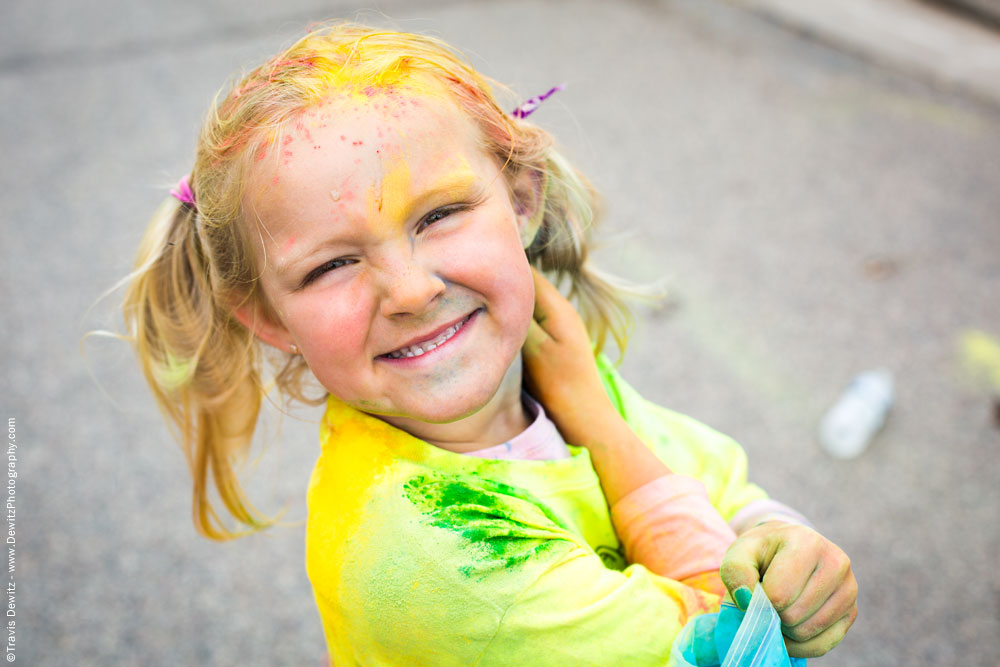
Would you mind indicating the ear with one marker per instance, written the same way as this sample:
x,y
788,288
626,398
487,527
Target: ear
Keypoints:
x,y
527,191
268,329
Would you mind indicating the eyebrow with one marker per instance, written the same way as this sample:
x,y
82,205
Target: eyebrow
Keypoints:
x,y
464,183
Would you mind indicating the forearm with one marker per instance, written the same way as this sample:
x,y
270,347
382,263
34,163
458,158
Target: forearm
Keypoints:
x,y
665,521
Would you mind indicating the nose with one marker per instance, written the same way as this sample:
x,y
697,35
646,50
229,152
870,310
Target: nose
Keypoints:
x,y
407,286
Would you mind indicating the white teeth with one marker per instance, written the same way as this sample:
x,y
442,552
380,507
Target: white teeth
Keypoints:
x,y
422,348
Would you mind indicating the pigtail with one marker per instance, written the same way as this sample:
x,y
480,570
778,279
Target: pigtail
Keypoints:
x,y
199,362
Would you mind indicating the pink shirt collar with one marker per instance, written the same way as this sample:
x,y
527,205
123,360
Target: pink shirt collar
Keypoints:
x,y
541,441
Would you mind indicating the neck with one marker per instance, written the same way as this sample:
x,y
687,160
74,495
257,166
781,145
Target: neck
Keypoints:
x,y
502,418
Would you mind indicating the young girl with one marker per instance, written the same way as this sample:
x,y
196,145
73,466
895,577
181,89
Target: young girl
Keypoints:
x,y
362,206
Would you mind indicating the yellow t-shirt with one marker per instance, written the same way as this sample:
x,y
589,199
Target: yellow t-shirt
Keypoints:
x,y
421,556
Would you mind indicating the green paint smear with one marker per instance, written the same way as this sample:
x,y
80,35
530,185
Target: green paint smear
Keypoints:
x,y
486,515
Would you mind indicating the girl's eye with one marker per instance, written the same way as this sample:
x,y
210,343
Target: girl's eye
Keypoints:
x,y
437,215
323,268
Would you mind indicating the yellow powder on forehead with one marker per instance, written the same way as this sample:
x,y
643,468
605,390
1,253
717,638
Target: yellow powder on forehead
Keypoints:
x,y
394,197
391,196
392,94
350,83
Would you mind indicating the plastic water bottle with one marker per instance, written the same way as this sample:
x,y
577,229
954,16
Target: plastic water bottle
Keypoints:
x,y
848,427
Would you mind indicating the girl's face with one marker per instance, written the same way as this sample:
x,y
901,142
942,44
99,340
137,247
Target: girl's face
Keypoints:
x,y
393,257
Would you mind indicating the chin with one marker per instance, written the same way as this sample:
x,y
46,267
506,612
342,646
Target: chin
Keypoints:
x,y
454,410
460,402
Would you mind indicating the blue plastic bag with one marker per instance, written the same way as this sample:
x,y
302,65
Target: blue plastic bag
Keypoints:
x,y
733,638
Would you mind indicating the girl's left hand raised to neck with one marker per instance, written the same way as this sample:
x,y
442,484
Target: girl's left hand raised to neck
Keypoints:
x,y
561,373
559,360
807,577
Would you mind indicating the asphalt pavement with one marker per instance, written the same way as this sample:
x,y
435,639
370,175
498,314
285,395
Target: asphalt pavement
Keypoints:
x,y
814,212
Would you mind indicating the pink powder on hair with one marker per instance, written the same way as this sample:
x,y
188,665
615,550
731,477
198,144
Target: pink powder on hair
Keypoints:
x,y
303,62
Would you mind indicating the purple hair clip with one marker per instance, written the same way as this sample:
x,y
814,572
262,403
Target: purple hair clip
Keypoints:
x,y
528,107
183,192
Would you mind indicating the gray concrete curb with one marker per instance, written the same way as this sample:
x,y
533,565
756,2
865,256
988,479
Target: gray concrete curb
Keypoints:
x,y
919,39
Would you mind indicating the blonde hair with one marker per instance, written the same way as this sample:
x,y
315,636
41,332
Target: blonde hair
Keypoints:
x,y
197,263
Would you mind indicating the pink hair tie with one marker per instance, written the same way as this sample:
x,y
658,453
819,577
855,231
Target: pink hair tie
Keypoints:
x,y
183,192
528,107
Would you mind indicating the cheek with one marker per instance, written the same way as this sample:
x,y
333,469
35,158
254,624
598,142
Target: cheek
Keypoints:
x,y
489,257
505,275
521,290
332,327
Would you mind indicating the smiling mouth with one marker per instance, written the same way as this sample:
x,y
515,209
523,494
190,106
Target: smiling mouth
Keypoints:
x,y
423,347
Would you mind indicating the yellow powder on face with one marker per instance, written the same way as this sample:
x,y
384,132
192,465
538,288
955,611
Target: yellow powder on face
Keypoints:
x,y
391,197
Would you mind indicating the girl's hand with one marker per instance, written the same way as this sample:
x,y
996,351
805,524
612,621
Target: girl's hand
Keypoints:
x,y
563,376
559,360
807,577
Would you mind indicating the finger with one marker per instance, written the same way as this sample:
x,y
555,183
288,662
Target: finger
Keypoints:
x,y
829,593
796,563
823,642
542,296
836,605
741,567
535,341
553,312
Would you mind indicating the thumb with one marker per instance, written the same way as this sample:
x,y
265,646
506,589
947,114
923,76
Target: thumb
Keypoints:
x,y
740,570
533,357
552,310
536,338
